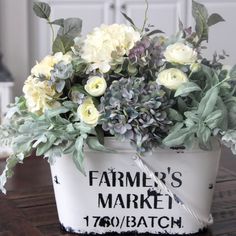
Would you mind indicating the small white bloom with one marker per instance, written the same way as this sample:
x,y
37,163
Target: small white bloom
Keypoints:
x,y
180,53
88,113
171,78
96,86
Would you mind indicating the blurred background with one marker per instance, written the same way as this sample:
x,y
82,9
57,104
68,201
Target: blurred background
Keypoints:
x,y
24,38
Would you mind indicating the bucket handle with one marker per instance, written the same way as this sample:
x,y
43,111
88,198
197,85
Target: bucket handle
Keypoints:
x,y
161,186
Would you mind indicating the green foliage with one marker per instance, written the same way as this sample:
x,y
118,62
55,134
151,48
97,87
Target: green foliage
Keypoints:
x,y
200,15
214,19
187,88
208,102
203,22
62,44
42,10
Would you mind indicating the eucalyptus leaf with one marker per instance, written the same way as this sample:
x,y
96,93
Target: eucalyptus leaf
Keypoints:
x,y
214,19
42,10
187,88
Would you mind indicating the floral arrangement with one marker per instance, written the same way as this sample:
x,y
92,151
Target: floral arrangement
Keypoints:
x,y
135,84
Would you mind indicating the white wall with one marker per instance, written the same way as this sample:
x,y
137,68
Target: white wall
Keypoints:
x,y
14,39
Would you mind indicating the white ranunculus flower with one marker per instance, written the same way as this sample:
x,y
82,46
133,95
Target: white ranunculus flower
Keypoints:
x,y
106,42
96,86
39,95
172,78
88,113
180,53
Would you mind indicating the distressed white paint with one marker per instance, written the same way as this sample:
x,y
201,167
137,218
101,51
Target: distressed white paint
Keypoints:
x,y
77,200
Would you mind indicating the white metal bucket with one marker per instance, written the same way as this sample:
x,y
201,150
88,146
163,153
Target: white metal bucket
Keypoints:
x,y
116,196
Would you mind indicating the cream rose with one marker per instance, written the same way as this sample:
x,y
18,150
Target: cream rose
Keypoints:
x,y
171,78
39,95
88,113
96,86
106,42
180,53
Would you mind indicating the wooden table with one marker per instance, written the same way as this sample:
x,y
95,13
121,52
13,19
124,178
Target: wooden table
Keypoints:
x,y
29,207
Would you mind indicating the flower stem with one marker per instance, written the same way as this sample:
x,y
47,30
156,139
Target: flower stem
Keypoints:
x,y
52,30
145,16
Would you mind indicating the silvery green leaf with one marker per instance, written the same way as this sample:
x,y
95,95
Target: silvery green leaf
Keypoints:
x,y
12,161
176,127
94,144
62,44
72,28
69,148
186,88
83,128
192,115
214,19
41,139
177,137
203,133
78,158
42,9
208,102
213,119
43,147
55,112
53,153
229,140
